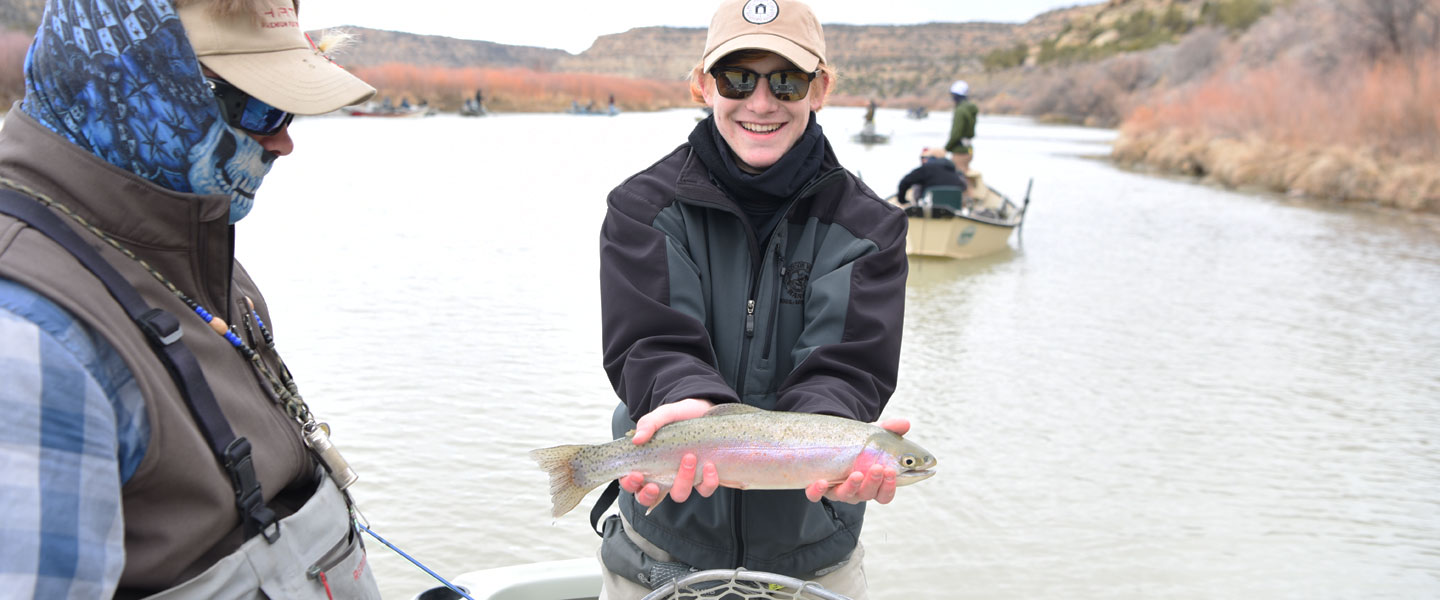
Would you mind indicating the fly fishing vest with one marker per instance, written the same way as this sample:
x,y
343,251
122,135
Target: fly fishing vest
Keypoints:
x,y
227,501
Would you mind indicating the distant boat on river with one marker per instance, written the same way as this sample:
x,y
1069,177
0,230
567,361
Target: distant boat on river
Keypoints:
x,y
371,109
471,108
869,138
591,109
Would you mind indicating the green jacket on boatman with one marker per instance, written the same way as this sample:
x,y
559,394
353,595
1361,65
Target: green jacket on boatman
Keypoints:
x,y
962,126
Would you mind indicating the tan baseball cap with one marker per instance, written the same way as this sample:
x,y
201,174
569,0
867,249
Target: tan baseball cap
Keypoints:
x,y
262,50
785,27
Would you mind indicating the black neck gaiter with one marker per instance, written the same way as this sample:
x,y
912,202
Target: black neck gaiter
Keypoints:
x,y
760,195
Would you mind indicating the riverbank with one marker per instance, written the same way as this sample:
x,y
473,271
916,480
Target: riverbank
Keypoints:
x,y
1359,131
1333,173
520,90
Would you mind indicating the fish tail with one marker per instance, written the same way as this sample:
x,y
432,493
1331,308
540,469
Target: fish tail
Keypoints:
x,y
565,491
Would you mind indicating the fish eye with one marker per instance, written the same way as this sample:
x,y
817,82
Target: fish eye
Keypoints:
x,y
909,461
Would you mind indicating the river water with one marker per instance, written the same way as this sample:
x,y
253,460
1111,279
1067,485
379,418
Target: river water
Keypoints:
x,y
1170,390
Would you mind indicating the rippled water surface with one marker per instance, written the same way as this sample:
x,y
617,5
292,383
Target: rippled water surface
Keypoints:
x,y
1169,391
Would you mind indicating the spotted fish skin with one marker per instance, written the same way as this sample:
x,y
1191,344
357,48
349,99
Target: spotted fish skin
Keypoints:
x,y
750,447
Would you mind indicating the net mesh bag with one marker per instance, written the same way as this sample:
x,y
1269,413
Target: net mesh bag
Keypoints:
x,y
740,584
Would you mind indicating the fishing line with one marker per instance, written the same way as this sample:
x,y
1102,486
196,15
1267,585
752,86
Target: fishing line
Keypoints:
x,y
452,586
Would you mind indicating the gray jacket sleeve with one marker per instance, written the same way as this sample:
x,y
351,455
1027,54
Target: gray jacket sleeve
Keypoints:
x,y
653,353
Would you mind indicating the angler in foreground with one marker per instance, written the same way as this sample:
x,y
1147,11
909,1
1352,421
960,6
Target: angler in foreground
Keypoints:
x,y
749,267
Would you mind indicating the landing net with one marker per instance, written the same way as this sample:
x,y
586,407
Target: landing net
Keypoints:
x,y
740,584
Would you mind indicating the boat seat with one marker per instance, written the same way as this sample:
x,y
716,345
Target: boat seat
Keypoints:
x,y
948,196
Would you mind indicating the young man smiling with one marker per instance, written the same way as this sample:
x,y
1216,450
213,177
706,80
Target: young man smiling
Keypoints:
x,y
749,266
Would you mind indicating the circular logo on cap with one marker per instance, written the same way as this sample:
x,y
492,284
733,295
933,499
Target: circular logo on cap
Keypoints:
x,y
761,12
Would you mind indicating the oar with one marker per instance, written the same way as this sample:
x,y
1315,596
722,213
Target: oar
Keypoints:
x,y
1020,235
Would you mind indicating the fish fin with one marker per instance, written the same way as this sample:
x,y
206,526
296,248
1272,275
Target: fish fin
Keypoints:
x,y
731,408
565,492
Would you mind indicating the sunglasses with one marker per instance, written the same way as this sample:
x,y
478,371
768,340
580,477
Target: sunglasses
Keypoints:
x,y
788,85
243,111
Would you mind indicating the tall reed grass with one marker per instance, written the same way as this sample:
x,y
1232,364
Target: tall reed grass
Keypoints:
x,y
1362,132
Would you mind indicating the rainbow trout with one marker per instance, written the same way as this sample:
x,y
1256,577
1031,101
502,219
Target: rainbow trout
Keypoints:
x,y
751,448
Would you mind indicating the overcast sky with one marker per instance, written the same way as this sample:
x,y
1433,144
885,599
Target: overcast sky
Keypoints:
x,y
572,25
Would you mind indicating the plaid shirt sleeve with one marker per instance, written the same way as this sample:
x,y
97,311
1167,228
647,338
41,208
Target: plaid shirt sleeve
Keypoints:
x,y
74,429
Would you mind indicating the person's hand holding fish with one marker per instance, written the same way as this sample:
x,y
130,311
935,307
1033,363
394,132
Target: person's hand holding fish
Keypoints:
x,y
877,485
743,447
649,494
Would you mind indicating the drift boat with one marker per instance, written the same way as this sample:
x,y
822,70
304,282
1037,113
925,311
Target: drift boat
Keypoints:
x,y
954,223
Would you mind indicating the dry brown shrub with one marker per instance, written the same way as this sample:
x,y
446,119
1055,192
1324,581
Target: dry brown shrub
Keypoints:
x,y
1306,172
1179,151
1383,29
1237,161
1087,94
1194,57
1292,108
1395,107
1389,106
520,89
1005,103
1130,72
1412,187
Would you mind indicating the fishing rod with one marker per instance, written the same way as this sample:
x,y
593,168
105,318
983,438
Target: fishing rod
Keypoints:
x,y
1020,234
452,586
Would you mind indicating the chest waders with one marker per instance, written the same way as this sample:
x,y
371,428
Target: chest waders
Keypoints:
x,y
307,563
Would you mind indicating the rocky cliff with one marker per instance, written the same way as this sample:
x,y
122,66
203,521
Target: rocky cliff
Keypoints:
x,y
377,46
884,61
874,61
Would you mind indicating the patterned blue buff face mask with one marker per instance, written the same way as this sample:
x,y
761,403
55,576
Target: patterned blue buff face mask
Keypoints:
x,y
120,79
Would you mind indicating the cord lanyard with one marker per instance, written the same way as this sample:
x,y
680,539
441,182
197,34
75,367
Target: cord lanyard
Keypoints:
x,y
314,434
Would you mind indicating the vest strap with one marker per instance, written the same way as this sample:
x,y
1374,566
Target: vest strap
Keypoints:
x,y
603,503
248,498
162,330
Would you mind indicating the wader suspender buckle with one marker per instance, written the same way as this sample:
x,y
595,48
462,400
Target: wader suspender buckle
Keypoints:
x,y
259,519
162,329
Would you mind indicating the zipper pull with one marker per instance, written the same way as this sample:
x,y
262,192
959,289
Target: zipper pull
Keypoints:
x,y
750,318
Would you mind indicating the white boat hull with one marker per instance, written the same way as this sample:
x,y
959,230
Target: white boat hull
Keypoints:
x,y
573,579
